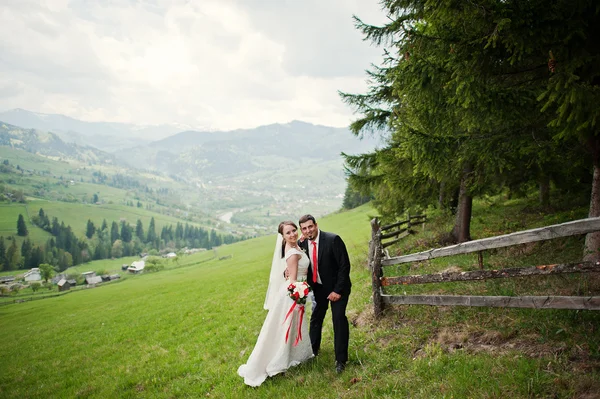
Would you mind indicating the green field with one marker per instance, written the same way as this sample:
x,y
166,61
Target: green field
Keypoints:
x,y
9,214
184,331
77,215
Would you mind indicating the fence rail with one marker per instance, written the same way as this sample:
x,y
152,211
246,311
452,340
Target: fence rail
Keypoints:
x,y
377,260
535,302
576,227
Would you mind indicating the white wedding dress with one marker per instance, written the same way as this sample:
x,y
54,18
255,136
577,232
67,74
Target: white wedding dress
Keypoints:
x,y
272,354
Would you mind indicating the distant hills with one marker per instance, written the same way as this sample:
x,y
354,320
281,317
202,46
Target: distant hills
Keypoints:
x,y
206,155
108,136
49,145
249,176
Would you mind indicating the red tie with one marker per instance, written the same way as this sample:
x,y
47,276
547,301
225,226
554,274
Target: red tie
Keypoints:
x,y
315,267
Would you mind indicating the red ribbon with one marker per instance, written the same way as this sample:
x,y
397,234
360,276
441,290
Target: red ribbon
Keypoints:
x,y
301,311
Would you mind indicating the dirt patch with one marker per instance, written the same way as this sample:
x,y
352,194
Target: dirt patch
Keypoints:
x,y
365,320
511,343
362,320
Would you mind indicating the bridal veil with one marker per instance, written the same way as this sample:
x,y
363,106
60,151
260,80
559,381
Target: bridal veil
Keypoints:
x,y
276,277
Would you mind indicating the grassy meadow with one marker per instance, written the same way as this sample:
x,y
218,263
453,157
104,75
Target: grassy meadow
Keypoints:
x,y
184,331
76,215
9,214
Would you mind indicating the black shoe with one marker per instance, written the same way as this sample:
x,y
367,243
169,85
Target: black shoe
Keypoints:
x,y
340,367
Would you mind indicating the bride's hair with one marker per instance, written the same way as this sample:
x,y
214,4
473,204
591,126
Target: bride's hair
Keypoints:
x,y
280,231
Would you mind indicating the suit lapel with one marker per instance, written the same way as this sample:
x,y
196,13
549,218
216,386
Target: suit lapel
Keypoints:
x,y
322,244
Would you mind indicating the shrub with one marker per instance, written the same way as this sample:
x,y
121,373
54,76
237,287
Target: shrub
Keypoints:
x,y
154,268
35,286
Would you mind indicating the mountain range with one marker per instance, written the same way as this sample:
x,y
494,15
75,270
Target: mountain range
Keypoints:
x,y
107,136
258,172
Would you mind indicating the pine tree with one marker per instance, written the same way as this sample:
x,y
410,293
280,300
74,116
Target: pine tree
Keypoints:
x,y
55,229
151,237
26,252
21,226
114,232
139,230
457,97
3,259
90,229
126,233
13,256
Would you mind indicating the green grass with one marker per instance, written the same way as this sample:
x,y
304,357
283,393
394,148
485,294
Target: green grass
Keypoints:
x,y
77,215
9,214
184,331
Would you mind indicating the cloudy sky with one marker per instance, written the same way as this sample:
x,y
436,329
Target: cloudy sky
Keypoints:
x,y
217,64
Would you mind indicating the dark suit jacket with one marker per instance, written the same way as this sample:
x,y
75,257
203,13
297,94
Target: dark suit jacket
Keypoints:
x,y
333,263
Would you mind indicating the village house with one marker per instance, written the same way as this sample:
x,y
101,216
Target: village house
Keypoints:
x,y
91,278
7,279
57,278
64,285
33,275
137,267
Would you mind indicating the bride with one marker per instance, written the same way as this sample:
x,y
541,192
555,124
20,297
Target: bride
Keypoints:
x,y
283,341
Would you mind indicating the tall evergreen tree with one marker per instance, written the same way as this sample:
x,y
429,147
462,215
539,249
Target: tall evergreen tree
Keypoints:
x,y
151,237
21,226
90,229
43,220
139,230
26,253
13,256
3,259
37,256
126,232
55,229
114,232
457,95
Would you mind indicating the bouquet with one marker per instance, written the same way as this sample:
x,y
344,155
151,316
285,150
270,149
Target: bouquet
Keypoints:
x,y
298,291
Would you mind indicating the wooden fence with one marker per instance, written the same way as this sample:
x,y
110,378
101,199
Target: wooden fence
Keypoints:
x,y
377,259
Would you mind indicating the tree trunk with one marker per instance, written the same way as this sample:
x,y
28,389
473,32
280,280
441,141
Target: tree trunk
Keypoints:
x,y
442,196
454,200
462,227
591,250
544,184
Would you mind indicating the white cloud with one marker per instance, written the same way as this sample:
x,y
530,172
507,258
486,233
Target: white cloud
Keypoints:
x,y
212,63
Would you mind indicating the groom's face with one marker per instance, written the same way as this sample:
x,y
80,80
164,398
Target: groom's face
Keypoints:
x,y
309,229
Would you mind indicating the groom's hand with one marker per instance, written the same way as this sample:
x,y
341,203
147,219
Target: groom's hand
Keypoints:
x,y
286,273
334,297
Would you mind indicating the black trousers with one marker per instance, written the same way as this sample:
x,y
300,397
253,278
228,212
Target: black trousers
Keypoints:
x,y
341,330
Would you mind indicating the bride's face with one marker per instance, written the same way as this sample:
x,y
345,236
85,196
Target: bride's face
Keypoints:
x,y
290,234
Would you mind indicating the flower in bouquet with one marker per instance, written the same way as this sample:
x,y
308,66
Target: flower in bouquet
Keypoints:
x,y
298,291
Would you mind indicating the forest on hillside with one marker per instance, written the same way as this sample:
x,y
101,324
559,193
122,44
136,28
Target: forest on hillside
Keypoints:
x,y
65,249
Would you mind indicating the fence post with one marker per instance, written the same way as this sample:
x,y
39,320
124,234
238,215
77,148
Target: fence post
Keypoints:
x,y
375,265
372,242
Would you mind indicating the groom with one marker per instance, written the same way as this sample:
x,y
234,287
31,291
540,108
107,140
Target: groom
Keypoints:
x,y
329,277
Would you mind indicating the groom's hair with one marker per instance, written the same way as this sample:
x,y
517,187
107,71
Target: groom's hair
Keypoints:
x,y
306,218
